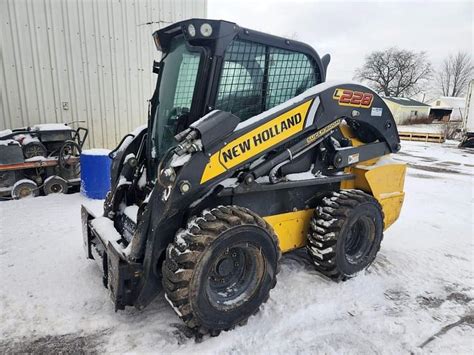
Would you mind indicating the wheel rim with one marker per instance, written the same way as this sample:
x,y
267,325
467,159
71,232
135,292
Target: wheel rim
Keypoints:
x,y
235,276
56,188
24,191
359,240
34,150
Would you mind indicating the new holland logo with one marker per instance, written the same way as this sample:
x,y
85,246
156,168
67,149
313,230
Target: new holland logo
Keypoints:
x,y
260,138
256,141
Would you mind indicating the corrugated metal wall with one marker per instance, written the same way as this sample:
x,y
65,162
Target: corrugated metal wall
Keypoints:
x,y
90,60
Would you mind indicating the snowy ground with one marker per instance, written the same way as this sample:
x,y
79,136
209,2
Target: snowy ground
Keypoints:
x,y
417,297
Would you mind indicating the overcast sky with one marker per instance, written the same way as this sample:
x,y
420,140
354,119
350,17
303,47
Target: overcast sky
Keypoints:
x,y
350,30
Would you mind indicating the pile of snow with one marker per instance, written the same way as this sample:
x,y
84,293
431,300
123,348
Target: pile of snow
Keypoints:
x,y
9,142
105,227
26,138
50,127
5,132
131,212
96,151
305,175
40,158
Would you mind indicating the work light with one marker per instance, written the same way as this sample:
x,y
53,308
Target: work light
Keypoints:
x,y
191,30
206,29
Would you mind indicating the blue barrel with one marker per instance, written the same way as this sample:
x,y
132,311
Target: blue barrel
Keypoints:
x,y
95,173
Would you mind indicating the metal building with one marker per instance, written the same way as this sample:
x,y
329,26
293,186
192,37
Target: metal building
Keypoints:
x,y
82,60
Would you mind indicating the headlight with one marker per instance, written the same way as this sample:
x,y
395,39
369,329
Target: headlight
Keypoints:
x,y
206,29
192,30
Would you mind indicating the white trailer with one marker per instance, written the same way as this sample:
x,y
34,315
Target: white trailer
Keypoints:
x,y
468,121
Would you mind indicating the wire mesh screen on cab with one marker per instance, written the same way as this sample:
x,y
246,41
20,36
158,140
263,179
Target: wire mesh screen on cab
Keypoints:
x,y
256,78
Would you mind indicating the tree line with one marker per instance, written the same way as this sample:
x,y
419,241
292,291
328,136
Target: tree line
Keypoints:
x,y
403,73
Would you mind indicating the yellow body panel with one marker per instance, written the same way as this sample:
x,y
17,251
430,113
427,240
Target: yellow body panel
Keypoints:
x,y
384,182
291,228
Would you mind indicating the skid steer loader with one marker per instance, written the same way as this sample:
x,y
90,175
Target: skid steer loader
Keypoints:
x,y
248,153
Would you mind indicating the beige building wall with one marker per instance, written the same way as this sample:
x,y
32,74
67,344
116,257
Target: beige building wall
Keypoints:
x,y
89,60
402,113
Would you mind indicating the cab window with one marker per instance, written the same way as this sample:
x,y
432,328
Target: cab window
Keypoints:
x,y
241,81
289,74
256,78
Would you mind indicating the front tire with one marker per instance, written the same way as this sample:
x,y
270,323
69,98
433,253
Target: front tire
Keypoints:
x,y
345,234
220,269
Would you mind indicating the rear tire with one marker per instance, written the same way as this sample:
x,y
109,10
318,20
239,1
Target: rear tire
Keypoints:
x,y
345,234
220,269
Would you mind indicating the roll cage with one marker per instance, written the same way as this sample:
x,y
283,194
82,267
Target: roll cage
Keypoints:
x,y
215,45
250,54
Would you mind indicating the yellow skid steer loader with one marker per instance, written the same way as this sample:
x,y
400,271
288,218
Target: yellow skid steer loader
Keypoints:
x,y
248,154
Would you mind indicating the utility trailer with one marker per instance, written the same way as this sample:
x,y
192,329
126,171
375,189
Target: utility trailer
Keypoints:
x,y
468,121
43,158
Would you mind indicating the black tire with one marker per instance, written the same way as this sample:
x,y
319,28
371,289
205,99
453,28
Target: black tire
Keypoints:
x,y
34,149
345,234
24,188
467,142
55,185
220,269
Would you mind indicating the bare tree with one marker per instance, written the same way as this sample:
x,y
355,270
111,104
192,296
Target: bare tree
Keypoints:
x,y
455,73
395,72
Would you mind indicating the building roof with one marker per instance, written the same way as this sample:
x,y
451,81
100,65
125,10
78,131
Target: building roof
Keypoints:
x,y
405,101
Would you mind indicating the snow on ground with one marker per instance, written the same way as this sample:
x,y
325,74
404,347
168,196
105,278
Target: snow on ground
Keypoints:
x,y
417,297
